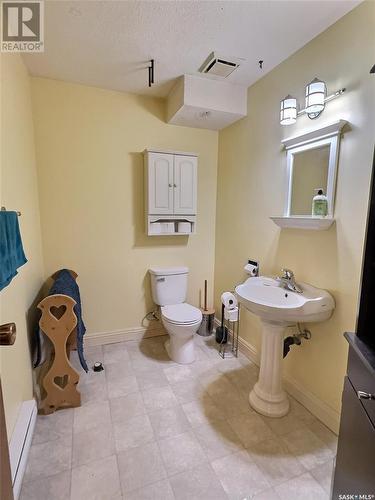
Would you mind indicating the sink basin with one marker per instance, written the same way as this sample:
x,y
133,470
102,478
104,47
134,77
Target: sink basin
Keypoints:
x,y
278,308
267,299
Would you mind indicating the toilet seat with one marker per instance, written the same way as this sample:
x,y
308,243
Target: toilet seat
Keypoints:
x,y
181,314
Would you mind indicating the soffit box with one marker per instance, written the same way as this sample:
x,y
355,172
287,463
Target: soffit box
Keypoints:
x,y
202,102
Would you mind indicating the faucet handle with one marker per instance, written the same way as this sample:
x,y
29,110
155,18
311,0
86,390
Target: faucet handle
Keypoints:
x,y
287,274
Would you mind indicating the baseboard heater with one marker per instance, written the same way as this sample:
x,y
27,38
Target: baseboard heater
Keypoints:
x,y
20,443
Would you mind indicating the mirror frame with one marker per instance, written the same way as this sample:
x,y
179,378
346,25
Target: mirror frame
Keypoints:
x,y
329,135
331,176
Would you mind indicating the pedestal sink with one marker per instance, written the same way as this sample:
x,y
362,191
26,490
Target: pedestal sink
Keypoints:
x,y
278,308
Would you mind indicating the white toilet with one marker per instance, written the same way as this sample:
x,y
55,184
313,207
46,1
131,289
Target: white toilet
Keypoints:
x,y
181,320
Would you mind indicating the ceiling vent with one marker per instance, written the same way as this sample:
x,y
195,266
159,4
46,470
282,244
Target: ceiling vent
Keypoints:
x,y
218,65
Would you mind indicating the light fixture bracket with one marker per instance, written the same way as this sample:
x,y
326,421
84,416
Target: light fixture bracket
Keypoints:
x,y
286,106
313,116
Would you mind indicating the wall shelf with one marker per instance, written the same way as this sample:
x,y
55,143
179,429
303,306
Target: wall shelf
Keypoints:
x,y
303,222
331,130
157,225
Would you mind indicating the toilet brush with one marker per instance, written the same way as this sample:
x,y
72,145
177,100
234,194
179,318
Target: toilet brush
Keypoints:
x,y
222,331
208,316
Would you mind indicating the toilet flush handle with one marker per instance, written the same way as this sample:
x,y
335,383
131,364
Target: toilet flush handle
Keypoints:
x,y
160,279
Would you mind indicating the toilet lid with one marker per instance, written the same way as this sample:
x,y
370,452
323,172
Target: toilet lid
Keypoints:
x,y
181,313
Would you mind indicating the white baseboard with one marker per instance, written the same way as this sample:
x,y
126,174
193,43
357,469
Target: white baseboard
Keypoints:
x,y
316,406
20,443
137,333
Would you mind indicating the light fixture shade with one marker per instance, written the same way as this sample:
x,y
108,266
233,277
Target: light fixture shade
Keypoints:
x,y
316,92
288,110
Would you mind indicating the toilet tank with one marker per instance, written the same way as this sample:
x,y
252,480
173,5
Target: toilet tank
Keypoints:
x,y
169,285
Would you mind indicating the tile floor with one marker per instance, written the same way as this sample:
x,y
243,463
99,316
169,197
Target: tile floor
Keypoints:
x,y
151,429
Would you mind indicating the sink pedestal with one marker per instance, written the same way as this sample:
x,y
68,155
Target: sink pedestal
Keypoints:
x,y
267,396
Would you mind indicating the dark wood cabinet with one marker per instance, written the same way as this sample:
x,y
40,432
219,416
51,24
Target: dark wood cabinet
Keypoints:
x,y
355,462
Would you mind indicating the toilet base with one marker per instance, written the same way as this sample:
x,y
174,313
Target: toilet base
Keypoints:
x,y
180,350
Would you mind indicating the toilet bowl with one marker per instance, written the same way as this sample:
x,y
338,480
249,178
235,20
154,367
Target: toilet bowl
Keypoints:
x,y
181,320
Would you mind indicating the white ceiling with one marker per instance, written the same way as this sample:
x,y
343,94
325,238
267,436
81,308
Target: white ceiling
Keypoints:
x,y
108,43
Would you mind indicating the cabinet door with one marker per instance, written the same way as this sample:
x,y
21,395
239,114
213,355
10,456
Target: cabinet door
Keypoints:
x,y
354,473
185,185
160,183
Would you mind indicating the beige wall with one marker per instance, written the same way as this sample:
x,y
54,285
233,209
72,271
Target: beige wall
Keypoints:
x,y
251,180
90,164
18,191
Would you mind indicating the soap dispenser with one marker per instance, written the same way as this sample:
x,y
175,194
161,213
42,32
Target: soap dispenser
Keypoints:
x,y
319,204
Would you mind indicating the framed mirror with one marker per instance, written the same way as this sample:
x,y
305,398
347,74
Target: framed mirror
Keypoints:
x,y
312,165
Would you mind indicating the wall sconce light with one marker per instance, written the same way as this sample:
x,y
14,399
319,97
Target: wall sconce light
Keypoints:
x,y
288,110
315,92
315,102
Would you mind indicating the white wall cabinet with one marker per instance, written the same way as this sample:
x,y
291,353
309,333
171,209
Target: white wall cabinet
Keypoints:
x,y
170,192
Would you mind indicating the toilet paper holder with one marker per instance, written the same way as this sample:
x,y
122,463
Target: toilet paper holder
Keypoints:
x,y
231,324
252,268
233,334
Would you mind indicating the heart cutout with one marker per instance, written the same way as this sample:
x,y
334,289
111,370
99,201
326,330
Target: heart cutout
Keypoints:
x,y
61,381
58,312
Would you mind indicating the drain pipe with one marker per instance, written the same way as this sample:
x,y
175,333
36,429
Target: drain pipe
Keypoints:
x,y
295,339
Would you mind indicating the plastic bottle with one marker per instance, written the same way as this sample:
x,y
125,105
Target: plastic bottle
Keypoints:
x,y
319,204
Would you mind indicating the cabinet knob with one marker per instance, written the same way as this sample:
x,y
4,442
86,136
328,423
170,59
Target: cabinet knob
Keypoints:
x,y
170,185
175,185
365,395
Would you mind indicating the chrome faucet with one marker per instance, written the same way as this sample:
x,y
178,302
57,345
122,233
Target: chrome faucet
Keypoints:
x,y
288,281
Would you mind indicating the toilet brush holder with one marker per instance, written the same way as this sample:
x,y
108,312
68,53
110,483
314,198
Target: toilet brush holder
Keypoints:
x,y
207,326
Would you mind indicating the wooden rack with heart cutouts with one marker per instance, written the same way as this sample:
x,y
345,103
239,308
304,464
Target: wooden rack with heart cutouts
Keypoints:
x,y
59,323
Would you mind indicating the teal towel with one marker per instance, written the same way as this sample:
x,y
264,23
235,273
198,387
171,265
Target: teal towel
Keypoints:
x,y
12,255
